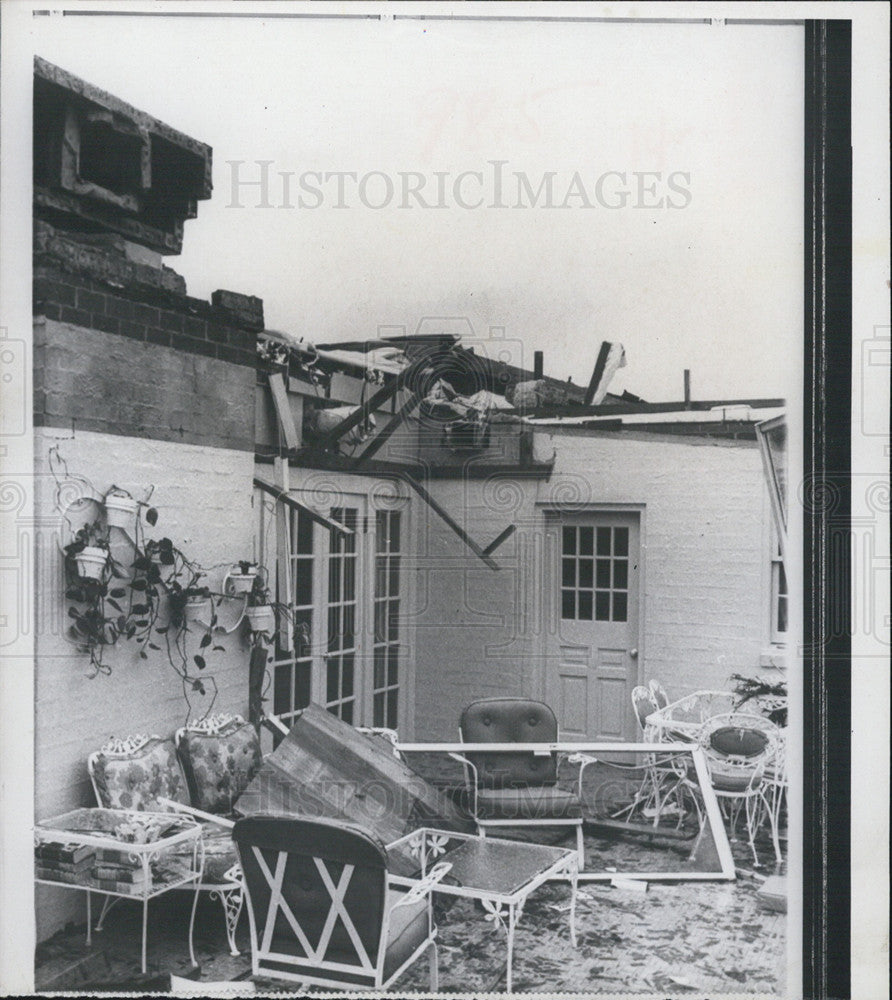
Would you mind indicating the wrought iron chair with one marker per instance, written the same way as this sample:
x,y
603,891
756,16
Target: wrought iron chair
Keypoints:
x,y
647,795
664,777
658,692
737,748
518,789
323,908
201,772
776,781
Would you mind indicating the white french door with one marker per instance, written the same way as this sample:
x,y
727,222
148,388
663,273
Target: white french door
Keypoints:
x,y
346,593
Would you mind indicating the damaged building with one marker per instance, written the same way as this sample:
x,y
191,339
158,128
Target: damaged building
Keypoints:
x,y
440,525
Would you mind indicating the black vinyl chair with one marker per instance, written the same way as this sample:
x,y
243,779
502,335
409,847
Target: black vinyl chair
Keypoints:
x,y
518,789
324,909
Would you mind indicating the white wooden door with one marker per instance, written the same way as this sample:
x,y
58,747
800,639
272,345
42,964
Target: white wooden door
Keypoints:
x,y
592,584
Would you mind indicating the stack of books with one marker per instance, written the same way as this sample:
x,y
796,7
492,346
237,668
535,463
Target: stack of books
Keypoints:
x,y
71,863
114,871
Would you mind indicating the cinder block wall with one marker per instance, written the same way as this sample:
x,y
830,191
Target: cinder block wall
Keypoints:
x,y
169,412
705,592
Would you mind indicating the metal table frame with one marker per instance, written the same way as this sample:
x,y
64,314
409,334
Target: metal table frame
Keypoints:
x,y
663,725
712,812
141,854
430,846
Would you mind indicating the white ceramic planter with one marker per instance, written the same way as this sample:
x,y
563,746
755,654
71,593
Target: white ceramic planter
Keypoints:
x,y
198,609
262,619
120,511
91,562
241,583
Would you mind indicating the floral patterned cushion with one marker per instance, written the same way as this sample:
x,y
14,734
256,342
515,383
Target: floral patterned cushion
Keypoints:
x,y
135,780
219,765
219,853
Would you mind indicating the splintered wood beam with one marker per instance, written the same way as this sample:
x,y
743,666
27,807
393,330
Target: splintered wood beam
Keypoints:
x,y
378,442
456,527
600,364
362,412
289,501
497,541
283,410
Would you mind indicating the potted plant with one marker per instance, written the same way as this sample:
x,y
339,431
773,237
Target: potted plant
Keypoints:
x,y
187,602
769,697
260,611
241,578
161,552
88,550
120,509
197,603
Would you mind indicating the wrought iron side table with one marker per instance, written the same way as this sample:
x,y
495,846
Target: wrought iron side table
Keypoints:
x,y
161,851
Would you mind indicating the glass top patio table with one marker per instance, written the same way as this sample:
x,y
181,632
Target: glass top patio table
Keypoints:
x,y
499,866
488,866
501,874
683,719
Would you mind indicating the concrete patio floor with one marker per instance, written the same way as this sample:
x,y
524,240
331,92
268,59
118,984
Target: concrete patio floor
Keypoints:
x,y
676,939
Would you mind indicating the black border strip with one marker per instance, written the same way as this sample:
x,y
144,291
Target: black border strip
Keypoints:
x,y
826,497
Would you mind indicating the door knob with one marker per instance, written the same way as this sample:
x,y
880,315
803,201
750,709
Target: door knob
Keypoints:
x,y
633,653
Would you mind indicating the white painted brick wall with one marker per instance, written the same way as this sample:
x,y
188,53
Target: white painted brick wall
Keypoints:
x,y
705,537
203,496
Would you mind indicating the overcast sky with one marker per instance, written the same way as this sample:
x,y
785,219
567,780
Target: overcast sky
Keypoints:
x,y
710,280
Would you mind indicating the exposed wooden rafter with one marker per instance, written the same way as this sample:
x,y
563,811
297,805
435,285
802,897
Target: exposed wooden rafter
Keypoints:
x,y
283,410
376,400
380,439
282,497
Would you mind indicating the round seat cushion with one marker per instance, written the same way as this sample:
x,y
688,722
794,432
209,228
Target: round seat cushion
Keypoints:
x,y
734,741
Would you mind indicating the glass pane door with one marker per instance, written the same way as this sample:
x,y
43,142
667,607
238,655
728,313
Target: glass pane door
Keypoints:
x,y
292,669
341,685
386,680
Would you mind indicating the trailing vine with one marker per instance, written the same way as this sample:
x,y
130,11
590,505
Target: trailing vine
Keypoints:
x,y
150,601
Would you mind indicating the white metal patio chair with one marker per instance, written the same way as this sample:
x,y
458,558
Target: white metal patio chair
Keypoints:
x,y
737,748
323,908
665,784
661,699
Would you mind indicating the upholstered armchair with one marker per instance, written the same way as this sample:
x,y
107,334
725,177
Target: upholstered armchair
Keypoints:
x,y
520,789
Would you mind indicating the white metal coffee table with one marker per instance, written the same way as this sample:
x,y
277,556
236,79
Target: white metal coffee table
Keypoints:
x,y
499,873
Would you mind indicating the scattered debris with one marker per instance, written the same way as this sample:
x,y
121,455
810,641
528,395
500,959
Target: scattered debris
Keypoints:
x,y
534,393
772,894
630,884
321,422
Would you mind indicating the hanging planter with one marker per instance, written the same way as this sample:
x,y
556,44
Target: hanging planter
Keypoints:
x,y
260,611
262,618
121,510
91,562
241,579
88,550
197,607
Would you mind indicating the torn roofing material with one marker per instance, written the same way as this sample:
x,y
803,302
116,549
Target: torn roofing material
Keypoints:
x,y
326,768
715,413
467,372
